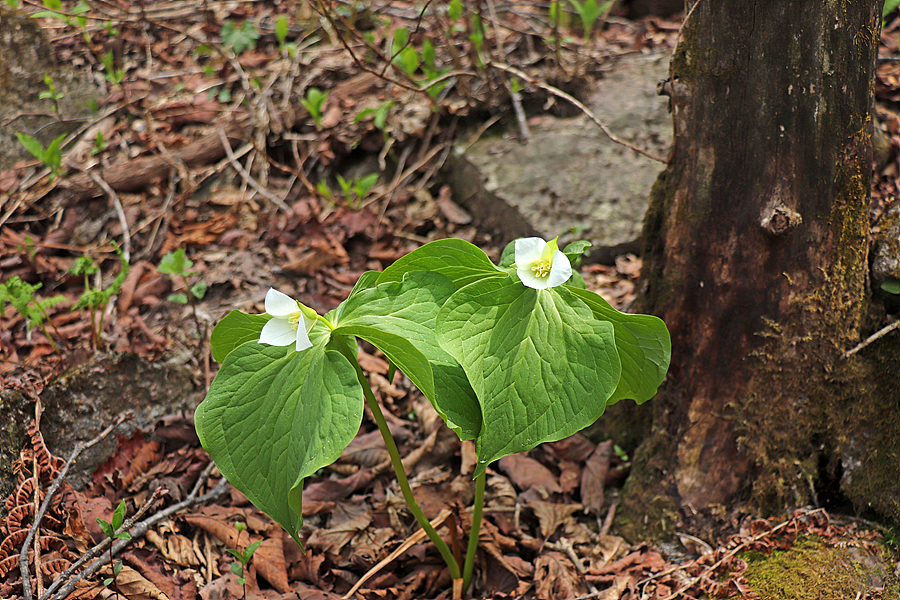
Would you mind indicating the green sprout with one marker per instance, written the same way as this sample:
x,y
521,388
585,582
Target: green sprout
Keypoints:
x,y
111,531
315,103
113,75
95,299
51,93
243,558
589,12
51,156
100,144
356,190
240,38
21,295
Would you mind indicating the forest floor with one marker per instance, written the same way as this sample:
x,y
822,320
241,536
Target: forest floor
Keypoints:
x,y
214,143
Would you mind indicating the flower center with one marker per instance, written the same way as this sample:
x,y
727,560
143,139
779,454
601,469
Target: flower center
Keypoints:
x,y
541,268
294,319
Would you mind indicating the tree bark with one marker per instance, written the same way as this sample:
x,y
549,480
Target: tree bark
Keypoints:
x,y
756,257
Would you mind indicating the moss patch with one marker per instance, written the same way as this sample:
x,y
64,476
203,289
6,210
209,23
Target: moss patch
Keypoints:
x,y
812,570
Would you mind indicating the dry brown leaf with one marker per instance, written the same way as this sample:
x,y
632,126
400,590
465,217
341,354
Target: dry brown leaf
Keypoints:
x,y
555,577
133,585
615,591
594,476
269,562
551,515
527,473
450,209
334,539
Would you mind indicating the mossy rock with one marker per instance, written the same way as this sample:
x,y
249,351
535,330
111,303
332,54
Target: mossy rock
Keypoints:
x,y
812,570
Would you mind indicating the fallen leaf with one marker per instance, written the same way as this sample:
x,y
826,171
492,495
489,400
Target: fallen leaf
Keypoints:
x,y
593,477
551,515
527,473
269,562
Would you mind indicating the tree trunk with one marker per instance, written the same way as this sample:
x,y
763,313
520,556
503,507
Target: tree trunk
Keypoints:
x,y
756,258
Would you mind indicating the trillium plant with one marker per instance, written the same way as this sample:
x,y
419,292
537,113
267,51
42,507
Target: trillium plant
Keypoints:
x,y
510,356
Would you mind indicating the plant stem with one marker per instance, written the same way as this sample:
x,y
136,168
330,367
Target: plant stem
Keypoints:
x,y
396,462
471,549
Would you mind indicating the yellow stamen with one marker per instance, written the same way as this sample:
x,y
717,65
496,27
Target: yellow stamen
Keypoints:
x,y
294,319
541,268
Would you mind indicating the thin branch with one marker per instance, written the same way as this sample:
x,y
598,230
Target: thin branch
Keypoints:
x,y
561,94
117,203
248,179
878,334
54,487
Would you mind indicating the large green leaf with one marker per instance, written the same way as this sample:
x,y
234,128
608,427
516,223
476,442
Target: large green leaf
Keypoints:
x,y
457,260
274,416
541,365
645,348
408,310
235,329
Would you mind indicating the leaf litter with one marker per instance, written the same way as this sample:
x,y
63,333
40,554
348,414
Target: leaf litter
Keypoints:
x,y
197,160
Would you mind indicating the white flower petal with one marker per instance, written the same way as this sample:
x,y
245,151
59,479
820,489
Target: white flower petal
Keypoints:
x,y
280,305
560,270
529,250
302,339
278,332
527,277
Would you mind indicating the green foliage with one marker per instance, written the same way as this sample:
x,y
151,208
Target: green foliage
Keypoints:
x,y
455,9
113,74
503,364
21,295
99,145
243,557
589,11
379,115
177,264
51,93
356,190
315,103
51,156
889,7
111,529
239,39
95,299
891,286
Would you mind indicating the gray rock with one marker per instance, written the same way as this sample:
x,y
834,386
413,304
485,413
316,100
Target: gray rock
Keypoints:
x,y
570,179
26,57
886,249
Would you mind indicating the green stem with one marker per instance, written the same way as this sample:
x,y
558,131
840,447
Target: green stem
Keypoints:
x,y
477,506
396,462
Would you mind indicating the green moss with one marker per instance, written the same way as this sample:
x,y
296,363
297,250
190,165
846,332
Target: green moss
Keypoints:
x,y
811,569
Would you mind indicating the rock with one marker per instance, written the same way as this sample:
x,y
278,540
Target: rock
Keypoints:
x,y
27,57
570,179
886,249
86,399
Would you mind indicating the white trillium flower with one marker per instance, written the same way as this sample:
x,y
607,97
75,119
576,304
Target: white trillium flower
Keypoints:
x,y
290,322
541,265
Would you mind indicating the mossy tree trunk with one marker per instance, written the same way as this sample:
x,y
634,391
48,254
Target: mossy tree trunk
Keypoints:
x,y
756,258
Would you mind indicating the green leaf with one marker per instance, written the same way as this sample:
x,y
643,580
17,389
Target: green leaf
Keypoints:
x,y
409,309
281,30
644,345
178,298
458,260
891,286
574,250
274,416
235,329
198,290
237,568
83,265
239,38
541,365
175,263
454,9
249,550
106,528
118,515
33,146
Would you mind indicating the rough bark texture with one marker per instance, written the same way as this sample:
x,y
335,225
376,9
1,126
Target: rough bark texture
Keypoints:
x,y
756,243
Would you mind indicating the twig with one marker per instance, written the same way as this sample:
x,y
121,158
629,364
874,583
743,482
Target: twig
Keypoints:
x,y
878,334
54,487
38,409
409,543
248,179
141,528
561,94
117,203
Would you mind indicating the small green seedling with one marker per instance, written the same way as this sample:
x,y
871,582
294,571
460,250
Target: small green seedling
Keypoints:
x,y
100,144
356,190
21,295
325,191
51,156
891,286
176,264
315,103
379,115
239,39
95,299
281,32
589,12
403,55
113,75
111,530
71,17
243,557
51,93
